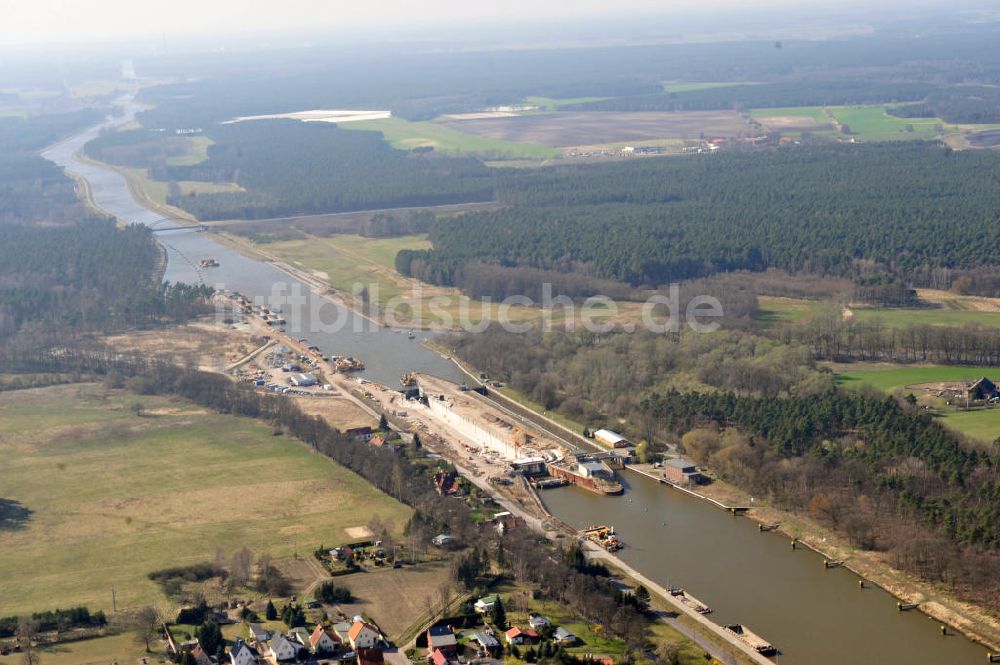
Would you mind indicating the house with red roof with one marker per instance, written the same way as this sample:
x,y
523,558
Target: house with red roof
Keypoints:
x,y
323,641
363,635
521,636
438,658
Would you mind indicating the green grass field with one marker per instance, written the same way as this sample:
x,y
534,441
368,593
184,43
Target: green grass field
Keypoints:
x,y
154,189
678,86
982,423
407,135
349,260
120,648
552,104
905,316
115,495
814,113
774,310
189,187
344,261
868,122
158,190
894,377
872,123
197,152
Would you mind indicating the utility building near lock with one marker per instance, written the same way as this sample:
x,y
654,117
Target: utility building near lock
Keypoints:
x,y
529,466
303,380
611,439
596,469
682,471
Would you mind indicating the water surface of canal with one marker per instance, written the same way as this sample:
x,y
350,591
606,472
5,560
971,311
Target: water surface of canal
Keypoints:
x,y
813,615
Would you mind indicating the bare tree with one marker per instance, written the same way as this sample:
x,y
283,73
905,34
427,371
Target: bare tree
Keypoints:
x,y
146,622
219,564
669,653
239,573
27,631
431,608
377,527
397,481
444,596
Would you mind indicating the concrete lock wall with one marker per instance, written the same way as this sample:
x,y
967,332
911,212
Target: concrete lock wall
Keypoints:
x,y
474,431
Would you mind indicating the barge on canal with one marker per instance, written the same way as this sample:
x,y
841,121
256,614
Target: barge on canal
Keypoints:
x,y
590,474
756,642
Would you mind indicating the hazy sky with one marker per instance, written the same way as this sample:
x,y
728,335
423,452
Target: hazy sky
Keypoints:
x,y
49,21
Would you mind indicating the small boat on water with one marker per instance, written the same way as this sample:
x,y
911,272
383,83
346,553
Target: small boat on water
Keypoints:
x,y
411,335
603,536
347,363
209,262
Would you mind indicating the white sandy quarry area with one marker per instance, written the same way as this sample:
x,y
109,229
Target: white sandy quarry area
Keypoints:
x,y
318,115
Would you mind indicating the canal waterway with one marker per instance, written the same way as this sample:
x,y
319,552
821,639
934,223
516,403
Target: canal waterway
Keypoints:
x,y
814,615
335,329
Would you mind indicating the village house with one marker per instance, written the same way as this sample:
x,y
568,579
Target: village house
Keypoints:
x,y
243,654
259,635
442,540
506,521
563,637
446,483
538,622
518,635
342,630
982,389
200,656
363,635
359,434
283,649
441,638
488,645
486,603
300,635
323,641
438,657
